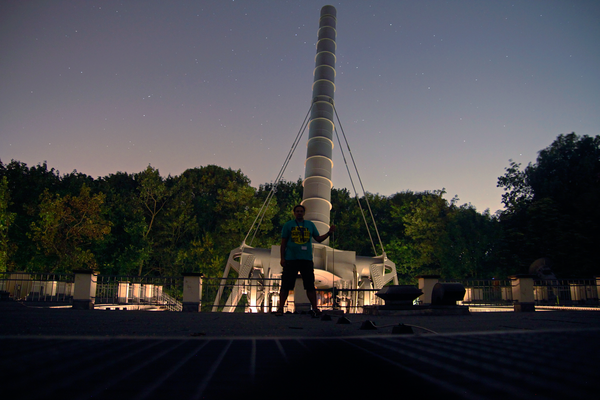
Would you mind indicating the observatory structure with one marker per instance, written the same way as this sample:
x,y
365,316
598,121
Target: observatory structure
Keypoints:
x,y
259,268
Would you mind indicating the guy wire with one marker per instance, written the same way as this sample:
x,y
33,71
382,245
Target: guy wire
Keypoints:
x,y
361,185
265,204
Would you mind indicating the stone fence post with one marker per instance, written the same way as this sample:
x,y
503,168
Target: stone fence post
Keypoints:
x,y
522,291
84,291
123,293
192,292
136,294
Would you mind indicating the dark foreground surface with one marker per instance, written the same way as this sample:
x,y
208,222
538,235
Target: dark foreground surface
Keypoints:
x,y
69,354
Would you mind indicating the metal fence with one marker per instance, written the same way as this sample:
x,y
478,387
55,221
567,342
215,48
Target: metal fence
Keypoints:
x,y
240,295
166,293
162,292
566,292
351,301
262,296
46,287
486,292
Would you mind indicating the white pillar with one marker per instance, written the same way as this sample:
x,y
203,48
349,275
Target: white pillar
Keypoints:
x,y
192,292
522,290
123,292
84,292
136,292
426,284
147,292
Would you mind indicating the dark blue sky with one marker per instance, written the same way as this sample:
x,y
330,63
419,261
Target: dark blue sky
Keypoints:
x,y
431,94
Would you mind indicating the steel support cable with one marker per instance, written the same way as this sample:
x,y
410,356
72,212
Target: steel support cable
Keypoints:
x,y
362,213
263,209
361,184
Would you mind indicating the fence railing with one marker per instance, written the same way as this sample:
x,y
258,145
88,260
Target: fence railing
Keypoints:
x,y
262,295
49,287
351,301
165,292
486,292
566,292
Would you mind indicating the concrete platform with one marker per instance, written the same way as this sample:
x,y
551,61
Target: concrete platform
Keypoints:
x,y
71,354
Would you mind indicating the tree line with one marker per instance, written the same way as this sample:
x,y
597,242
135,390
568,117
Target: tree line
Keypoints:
x,y
148,225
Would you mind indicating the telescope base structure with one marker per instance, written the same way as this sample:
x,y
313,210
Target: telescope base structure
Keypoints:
x,y
355,278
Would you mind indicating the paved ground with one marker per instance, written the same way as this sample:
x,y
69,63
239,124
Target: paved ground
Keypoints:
x,y
26,320
71,354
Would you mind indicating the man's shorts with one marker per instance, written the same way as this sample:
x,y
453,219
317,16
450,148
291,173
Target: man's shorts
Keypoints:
x,y
291,270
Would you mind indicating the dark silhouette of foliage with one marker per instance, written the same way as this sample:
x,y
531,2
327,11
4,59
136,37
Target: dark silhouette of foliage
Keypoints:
x,y
26,185
190,223
6,220
552,208
67,226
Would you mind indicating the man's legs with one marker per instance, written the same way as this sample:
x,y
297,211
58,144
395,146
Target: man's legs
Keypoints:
x,y
288,280
289,274
308,278
312,297
283,295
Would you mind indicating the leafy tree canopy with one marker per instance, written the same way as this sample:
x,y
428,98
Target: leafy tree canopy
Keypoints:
x,y
552,208
66,228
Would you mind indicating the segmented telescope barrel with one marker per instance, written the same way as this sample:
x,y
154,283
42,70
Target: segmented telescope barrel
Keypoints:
x,y
317,173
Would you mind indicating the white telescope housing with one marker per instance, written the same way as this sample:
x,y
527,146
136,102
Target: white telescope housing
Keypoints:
x,y
317,169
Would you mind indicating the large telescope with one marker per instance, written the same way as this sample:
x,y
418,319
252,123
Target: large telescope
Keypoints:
x,y
317,174
259,269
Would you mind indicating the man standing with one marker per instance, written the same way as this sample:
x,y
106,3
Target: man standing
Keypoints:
x,y
296,257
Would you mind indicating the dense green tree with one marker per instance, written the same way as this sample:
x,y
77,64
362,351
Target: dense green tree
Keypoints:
x,y
286,195
473,237
225,207
426,227
6,220
165,226
552,208
124,249
25,186
206,183
176,228
399,246
351,233
444,238
153,196
241,205
67,226
518,192
72,183
203,255
167,206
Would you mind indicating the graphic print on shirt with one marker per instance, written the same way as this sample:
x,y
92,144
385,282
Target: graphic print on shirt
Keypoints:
x,y
300,235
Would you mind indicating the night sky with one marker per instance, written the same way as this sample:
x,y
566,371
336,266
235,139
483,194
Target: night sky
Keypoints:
x,y
431,94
